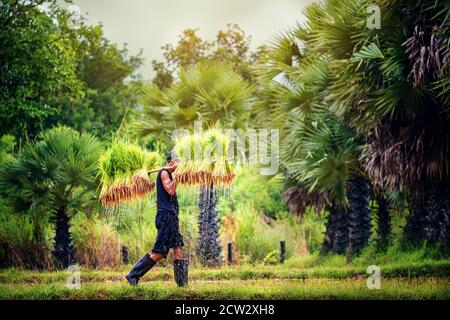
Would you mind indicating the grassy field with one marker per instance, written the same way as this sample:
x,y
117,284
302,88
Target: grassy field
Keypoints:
x,y
427,280
413,288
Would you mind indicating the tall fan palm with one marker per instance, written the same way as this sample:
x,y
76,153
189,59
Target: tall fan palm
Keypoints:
x,y
392,86
318,150
326,160
56,176
210,92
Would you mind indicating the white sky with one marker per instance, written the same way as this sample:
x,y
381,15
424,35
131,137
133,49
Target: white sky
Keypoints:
x,y
149,24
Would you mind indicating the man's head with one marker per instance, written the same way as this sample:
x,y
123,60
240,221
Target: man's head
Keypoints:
x,y
172,161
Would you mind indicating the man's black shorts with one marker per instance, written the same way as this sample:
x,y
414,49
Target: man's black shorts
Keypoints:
x,y
169,235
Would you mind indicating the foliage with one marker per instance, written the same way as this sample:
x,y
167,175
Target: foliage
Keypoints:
x,y
56,170
53,74
96,243
18,245
249,187
38,66
272,258
258,235
210,92
53,177
352,101
7,144
231,46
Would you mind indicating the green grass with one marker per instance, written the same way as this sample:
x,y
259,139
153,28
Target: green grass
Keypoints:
x,y
424,280
311,277
414,288
246,272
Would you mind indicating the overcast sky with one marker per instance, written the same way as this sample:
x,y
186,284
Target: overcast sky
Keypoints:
x,y
149,24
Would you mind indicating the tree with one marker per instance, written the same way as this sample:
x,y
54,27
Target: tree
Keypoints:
x,y
325,160
389,85
210,92
110,87
52,178
208,248
37,66
231,46
319,150
384,226
53,74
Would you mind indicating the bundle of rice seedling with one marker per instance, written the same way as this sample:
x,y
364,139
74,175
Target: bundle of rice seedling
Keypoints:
x,y
203,159
124,172
215,150
189,149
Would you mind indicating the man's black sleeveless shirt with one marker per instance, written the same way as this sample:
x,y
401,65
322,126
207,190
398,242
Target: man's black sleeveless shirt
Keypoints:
x,y
165,201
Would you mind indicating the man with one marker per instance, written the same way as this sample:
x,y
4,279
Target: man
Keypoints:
x,y
169,235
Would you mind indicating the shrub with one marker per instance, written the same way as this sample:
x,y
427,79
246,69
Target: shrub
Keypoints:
x,y
18,244
258,235
96,244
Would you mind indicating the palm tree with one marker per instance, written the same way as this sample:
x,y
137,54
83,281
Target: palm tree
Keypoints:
x,y
208,247
210,92
56,175
327,161
318,150
391,85
384,225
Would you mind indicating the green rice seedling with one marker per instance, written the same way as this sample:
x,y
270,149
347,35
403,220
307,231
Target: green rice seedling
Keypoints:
x,y
203,159
189,150
124,172
215,147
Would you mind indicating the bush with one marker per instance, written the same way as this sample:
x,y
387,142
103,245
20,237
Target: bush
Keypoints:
x,y
272,258
250,187
18,244
96,243
258,235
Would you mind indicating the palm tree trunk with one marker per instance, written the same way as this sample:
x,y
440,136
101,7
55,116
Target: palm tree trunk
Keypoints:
x,y
414,231
208,246
437,219
336,234
63,250
429,218
359,216
342,230
327,245
383,222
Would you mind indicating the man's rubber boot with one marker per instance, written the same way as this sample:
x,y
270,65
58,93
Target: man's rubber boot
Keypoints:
x,y
180,272
139,269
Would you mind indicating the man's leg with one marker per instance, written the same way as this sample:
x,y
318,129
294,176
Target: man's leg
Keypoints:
x,y
177,253
139,269
156,257
143,266
180,268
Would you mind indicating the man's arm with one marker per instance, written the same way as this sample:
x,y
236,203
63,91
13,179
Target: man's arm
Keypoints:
x,y
168,184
